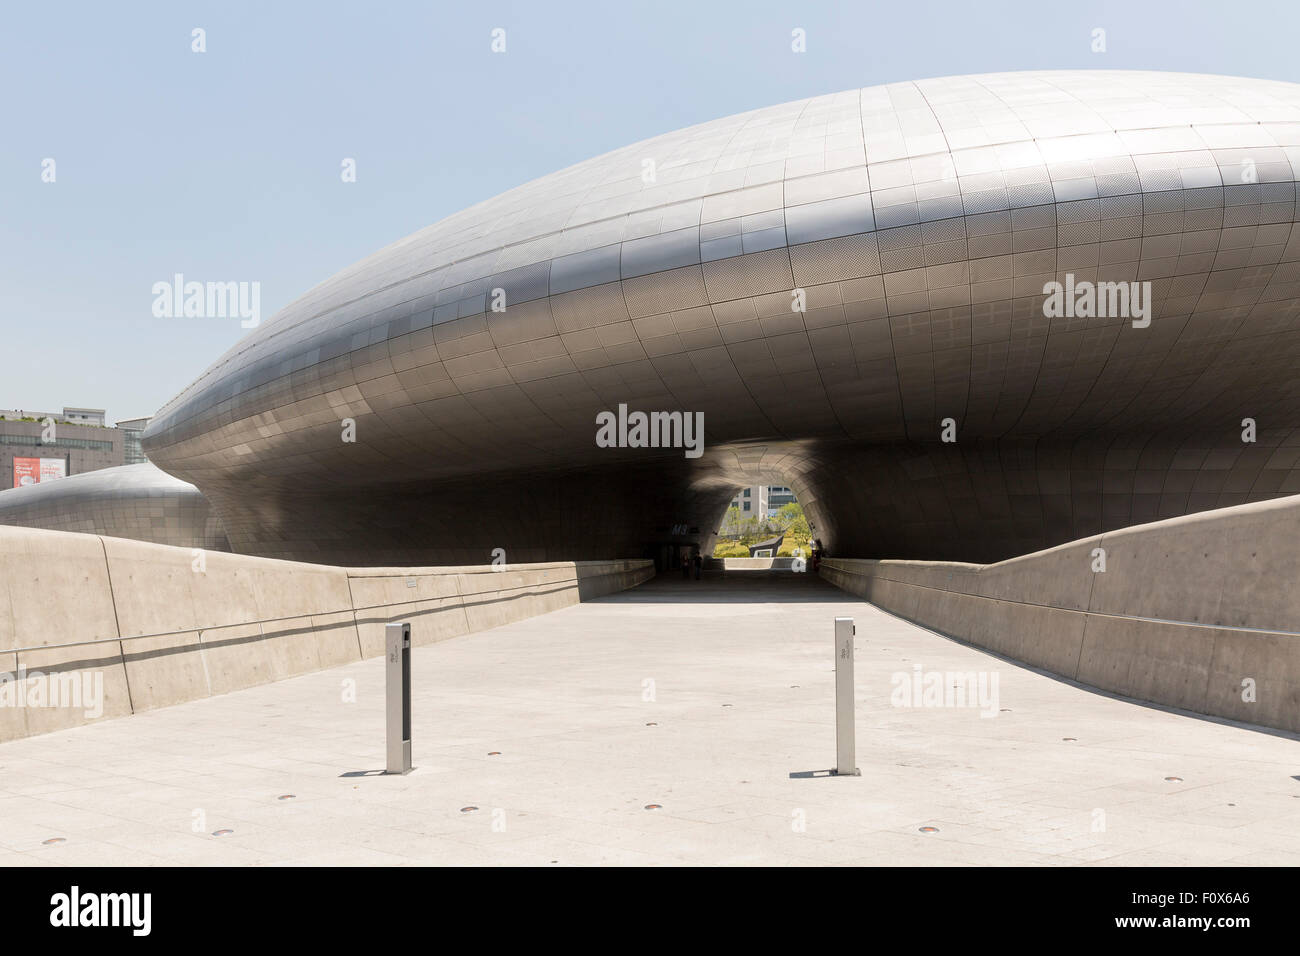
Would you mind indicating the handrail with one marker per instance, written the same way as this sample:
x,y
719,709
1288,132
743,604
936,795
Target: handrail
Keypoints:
x,y
217,627
1115,615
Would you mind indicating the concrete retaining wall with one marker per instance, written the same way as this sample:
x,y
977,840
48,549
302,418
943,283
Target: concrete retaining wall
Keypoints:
x,y
758,564
229,620
1186,610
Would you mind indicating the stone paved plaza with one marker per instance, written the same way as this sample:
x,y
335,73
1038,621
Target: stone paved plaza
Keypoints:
x,y
711,699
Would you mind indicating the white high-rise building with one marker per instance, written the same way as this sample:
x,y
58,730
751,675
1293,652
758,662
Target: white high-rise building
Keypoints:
x,y
752,502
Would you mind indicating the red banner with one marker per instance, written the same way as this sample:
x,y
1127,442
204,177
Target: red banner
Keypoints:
x,y
32,471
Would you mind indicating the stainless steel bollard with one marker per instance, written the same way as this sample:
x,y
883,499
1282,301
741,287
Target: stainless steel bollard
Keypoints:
x,y
397,696
846,760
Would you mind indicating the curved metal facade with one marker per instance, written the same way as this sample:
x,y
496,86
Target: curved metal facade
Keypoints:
x,y
128,501
920,221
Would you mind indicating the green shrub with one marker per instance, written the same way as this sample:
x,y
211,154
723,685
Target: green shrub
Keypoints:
x,y
730,549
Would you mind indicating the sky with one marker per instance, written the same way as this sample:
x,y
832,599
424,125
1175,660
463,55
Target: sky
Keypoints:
x,y
225,165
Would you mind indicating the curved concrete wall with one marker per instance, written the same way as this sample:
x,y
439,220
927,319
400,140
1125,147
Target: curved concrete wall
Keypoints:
x,y
231,621
1185,612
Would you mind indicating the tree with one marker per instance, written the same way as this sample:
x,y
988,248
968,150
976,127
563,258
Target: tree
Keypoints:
x,y
738,531
730,522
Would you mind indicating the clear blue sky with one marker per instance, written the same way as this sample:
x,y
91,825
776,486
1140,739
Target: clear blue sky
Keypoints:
x,y
225,165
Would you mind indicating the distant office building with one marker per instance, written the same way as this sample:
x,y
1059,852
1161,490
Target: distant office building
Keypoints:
x,y
751,502
131,430
84,416
778,496
32,452
762,501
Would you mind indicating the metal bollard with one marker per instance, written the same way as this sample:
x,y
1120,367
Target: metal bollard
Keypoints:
x,y
397,696
846,761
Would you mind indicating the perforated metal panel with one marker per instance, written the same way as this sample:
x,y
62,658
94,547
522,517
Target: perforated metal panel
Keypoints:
x,y
921,220
128,501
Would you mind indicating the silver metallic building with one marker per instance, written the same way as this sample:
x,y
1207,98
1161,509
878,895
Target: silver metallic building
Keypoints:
x,y
917,224
128,501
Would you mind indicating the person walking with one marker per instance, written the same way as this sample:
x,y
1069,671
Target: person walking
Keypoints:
x,y
698,561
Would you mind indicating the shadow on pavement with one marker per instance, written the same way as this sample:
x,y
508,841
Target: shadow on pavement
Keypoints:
x,y
733,587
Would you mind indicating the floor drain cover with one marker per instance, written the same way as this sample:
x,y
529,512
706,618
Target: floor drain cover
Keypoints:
x,y
222,832
468,809
653,806
53,840
1174,779
929,829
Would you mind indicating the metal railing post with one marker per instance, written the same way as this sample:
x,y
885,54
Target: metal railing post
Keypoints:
x,y
846,762
397,696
